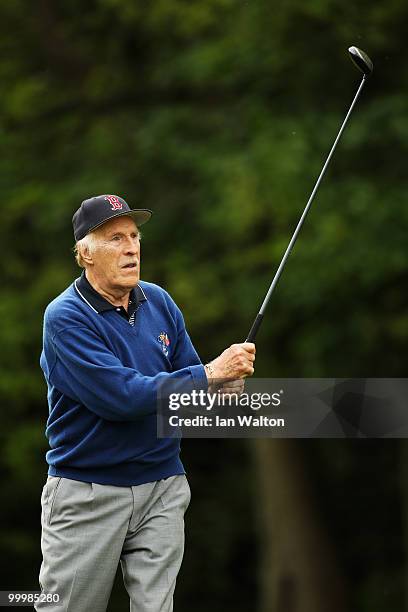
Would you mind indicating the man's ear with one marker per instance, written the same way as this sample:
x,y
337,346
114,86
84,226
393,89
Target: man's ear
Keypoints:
x,y
86,255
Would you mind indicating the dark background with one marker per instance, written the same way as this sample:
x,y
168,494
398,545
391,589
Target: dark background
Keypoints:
x,y
218,115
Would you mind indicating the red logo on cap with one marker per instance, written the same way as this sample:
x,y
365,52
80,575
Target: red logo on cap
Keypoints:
x,y
114,200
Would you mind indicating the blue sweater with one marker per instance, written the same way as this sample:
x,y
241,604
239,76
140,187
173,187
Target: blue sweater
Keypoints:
x,y
103,376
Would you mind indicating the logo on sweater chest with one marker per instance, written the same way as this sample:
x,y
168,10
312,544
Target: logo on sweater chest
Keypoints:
x,y
164,341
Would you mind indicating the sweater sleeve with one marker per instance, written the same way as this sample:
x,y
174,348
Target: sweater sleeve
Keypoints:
x,y
104,385
185,354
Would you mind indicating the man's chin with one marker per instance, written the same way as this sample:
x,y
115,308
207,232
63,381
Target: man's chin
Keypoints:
x,y
130,280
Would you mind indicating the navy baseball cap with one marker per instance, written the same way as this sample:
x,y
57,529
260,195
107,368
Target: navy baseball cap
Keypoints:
x,y
95,211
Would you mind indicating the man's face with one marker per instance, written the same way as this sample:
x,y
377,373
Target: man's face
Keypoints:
x,y
116,254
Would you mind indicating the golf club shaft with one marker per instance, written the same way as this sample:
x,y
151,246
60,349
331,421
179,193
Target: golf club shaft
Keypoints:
x,y
259,317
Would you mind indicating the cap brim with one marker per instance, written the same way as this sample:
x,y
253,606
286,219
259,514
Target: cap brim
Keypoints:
x,y
140,215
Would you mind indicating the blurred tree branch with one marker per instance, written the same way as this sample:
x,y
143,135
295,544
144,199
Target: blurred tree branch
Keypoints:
x,y
299,571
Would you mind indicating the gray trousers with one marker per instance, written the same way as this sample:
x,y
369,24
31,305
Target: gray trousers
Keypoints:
x,y
87,529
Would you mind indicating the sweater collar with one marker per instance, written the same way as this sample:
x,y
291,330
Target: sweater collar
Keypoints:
x,y
99,304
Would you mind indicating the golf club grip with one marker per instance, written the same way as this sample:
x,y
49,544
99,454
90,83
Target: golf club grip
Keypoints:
x,y
254,329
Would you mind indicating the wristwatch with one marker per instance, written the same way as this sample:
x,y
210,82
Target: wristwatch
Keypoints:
x,y
210,370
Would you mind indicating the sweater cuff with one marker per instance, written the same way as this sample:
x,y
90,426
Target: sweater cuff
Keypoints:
x,y
199,376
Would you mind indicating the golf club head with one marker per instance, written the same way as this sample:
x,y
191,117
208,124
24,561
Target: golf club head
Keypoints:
x,y
361,60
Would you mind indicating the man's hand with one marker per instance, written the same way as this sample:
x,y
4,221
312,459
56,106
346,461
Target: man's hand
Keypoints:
x,y
233,388
235,362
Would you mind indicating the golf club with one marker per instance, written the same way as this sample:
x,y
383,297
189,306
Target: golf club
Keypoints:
x,y
365,65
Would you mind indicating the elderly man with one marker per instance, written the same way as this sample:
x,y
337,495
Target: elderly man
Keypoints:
x,y
115,492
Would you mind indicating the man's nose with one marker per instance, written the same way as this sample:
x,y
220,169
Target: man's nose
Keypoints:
x,y
132,245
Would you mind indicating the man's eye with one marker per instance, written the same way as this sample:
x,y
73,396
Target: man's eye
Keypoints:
x,y
116,238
